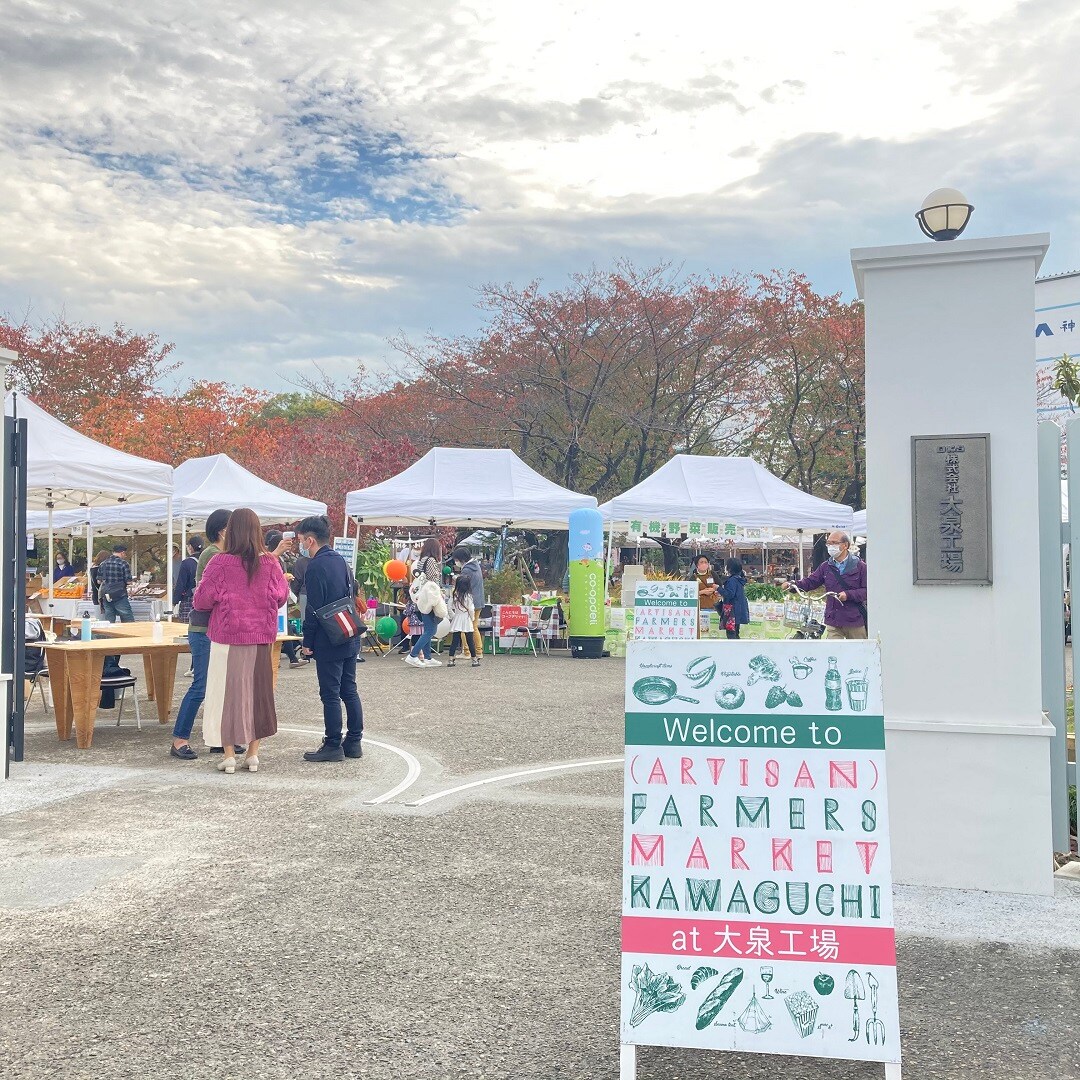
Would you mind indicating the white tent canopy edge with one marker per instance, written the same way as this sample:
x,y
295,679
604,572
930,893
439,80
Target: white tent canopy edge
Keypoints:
x,y
68,470
466,488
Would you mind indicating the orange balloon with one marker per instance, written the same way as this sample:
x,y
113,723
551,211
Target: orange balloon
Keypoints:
x,y
404,626
396,570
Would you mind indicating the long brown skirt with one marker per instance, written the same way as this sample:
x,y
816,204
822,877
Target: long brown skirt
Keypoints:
x,y
239,703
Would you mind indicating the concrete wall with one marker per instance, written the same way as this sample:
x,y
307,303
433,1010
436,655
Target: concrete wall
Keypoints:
x,y
948,341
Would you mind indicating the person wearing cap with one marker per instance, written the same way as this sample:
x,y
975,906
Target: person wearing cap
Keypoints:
x,y
114,576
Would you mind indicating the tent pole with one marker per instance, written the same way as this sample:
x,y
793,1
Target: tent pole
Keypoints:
x,y
135,553
607,561
802,568
183,538
168,560
89,556
52,559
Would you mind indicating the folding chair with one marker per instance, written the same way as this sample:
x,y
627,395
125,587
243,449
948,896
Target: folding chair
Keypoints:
x,y
486,625
34,664
515,632
123,683
543,630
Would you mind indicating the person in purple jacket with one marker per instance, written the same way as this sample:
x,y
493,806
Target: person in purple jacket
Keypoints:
x,y
844,574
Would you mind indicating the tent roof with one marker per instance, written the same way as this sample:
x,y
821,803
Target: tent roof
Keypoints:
x,y
202,486
735,489
69,470
467,488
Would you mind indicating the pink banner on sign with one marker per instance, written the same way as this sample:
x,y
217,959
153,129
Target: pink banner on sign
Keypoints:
x,y
811,942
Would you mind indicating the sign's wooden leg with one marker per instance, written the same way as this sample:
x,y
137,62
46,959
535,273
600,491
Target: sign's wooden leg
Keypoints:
x,y
892,1070
628,1062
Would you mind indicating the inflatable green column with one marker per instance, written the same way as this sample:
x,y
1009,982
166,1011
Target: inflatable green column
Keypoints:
x,y
588,589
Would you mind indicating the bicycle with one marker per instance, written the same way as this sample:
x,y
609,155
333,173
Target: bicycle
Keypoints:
x,y
799,614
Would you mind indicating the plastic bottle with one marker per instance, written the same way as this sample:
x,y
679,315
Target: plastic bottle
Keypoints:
x,y
833,700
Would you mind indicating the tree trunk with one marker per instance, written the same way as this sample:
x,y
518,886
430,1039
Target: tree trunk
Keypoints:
x,y
670,549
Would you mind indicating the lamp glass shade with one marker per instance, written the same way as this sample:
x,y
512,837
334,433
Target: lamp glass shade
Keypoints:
x,y
944,214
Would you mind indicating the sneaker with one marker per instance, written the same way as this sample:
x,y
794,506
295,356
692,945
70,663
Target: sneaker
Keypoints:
x,y
451,662
353,748
476,661
326,752
433,663
189,674
295,663
184,753
414,661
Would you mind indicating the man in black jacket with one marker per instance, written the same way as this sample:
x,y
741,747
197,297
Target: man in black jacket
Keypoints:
x,y
328,579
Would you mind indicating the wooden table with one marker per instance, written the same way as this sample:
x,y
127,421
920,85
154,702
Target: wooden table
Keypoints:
x,y
170,631
75,670
75,676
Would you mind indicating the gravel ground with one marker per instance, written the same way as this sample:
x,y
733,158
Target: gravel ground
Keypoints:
x,y
160,919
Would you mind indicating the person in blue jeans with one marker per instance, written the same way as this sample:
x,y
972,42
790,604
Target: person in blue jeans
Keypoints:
x,y
428,569
114,577
199,644
327,579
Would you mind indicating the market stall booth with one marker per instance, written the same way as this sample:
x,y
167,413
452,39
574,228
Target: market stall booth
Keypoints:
x,y
65,470
466,488
722,500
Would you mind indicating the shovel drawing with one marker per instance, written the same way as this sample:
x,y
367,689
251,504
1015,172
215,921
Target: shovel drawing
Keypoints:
x,y
875,1029
854,991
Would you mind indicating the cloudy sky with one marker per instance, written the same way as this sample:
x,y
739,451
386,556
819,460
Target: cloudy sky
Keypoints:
x,y
271,184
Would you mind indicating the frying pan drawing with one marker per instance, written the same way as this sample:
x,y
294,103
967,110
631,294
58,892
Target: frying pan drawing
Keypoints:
x,y
656,690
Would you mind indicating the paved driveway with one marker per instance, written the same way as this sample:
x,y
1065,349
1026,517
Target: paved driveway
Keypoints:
x,y
158,919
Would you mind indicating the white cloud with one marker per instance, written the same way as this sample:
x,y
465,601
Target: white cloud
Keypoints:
x,y
269,187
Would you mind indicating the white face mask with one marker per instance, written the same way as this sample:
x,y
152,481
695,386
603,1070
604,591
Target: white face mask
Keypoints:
x,y
833,550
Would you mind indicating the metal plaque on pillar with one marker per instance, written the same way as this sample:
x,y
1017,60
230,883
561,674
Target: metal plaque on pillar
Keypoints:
x,y
950,510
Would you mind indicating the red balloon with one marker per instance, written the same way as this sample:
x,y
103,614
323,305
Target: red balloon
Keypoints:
x,y
404,626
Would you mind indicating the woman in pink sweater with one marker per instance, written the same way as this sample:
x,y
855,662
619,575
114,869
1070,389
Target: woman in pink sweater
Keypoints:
x,y
242,587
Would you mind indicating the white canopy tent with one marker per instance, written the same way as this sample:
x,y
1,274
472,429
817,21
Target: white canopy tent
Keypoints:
x,y
858,523
69,471
728,489
466,488
203,485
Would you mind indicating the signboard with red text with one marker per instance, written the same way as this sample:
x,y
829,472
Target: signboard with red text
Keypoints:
x,y
757,888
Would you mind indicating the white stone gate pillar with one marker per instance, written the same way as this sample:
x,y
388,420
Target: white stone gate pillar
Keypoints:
x,y
948,352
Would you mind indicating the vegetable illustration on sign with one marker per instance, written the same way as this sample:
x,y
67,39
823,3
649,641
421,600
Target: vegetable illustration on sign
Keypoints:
x,y
655,991
700,672
824,984
762,667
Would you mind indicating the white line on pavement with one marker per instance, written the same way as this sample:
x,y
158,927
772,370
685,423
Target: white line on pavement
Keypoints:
x,y
410,777
513,776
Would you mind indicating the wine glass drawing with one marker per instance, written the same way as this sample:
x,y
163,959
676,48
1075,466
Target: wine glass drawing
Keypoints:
x,y
766,974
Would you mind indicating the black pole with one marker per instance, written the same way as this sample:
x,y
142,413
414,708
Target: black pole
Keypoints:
x,y
13,583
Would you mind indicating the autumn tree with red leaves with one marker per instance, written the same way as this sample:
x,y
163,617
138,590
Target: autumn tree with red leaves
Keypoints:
x,y
812,357
69,368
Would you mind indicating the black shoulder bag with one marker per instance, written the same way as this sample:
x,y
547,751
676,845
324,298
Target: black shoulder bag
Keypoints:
x,y
339,619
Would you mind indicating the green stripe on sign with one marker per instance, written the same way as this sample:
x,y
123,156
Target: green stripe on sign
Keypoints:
x,y
756,731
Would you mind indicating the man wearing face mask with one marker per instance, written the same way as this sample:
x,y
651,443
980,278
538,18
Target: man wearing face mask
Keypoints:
x,y
327,578
843,574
